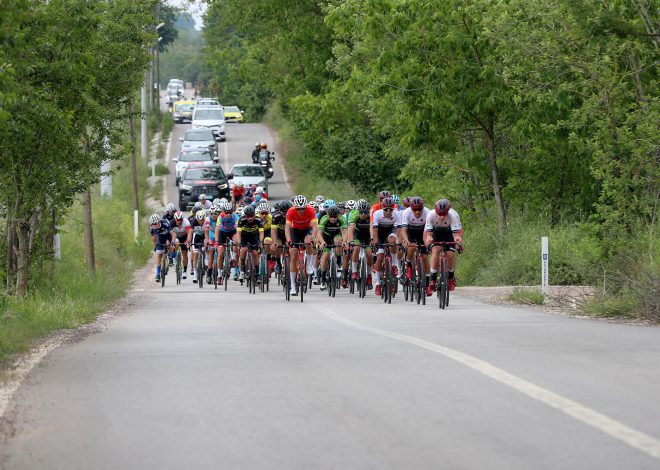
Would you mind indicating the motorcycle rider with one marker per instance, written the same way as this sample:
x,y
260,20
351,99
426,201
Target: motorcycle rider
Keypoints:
x,y
255,152
265,159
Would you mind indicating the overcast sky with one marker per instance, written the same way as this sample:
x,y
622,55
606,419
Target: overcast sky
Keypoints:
x,y
195,7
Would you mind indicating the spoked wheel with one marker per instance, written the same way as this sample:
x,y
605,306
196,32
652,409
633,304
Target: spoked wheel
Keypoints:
x,y
178,268
251,278
362,279
164,263
286,280
302,281
226,267
421,281
332,286
200,269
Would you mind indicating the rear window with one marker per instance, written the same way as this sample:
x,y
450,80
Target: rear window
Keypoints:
x,y
201,134
208,114
182,108
195,157
209,173
247,171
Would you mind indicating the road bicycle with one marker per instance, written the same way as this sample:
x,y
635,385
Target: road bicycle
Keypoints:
x,y
226,262
201,254
264,275
415,287
302,279
442,282
389,282
250,272
178,264
284,274
164,264
332,280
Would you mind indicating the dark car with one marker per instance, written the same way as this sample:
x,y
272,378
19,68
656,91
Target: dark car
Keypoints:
x,y
202,178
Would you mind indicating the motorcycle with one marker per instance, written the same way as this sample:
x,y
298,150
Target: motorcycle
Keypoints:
x,y
265,158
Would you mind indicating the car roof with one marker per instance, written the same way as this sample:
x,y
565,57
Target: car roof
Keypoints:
x,y
195,149
202,163
246,164
197,130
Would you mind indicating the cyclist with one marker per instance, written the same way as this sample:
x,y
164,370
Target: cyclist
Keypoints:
x,y
278,231
413,221
443,225
162,236
197,207
382,195
204,203
397,201
197,238
225,230
359,233
384,227
406,202
181,228
266,218
168,213
301,227
319,199
210,246
332,231
250,236
237,193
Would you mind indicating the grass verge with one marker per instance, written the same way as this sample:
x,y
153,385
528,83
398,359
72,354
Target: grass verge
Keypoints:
x,y
521,295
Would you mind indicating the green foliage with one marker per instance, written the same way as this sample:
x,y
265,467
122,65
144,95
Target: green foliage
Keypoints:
x,y
162,170
182,59
526,296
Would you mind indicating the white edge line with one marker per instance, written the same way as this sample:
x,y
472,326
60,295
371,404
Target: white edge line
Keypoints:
x,y
637,439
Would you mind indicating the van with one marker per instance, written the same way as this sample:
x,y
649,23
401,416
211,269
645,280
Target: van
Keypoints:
x,y
211,118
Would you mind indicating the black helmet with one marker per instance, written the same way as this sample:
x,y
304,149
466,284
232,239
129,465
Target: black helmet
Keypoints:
x,y
285,205
248,211
332,211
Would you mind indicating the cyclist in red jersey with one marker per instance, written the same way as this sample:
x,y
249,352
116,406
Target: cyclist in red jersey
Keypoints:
x,y
301,227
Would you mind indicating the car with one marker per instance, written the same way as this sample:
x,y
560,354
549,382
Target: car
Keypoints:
x,y
199,138
210,118
207,102
248,174
202,178
182,111
233,114
187,156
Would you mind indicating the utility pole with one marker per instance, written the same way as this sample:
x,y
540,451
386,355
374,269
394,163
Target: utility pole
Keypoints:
x,y
134,177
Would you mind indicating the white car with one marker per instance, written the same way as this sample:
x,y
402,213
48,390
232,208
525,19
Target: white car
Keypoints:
x,y
192,155
248,174
210,118
207,103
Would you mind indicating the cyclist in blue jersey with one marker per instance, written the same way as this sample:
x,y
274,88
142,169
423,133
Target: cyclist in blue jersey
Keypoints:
x,y
213,221
225,230
163,236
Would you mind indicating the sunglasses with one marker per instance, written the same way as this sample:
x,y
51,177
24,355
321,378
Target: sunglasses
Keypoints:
x,y
388,210
264,213
417,210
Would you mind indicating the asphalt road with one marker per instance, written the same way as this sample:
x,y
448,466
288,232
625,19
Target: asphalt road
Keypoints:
x,y
205,379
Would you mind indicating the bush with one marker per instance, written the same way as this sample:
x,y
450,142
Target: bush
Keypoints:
x,y
527,296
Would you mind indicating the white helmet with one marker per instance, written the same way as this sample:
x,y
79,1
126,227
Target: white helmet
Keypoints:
x,y
216,201
319,199
202,196
259,190
178,215
170,207
154,219
238,183
299,201
226,206
200,215
263,207
239,212
223,200
351,204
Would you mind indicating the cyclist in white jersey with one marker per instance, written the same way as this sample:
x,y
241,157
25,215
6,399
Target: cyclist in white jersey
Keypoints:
x,y
413,222
443,225
384,228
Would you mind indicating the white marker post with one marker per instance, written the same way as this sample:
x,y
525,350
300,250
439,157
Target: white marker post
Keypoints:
x,y
57,248
135,225
544,265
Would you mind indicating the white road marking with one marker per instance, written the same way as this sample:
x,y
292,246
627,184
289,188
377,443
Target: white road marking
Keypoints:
x,y
613,428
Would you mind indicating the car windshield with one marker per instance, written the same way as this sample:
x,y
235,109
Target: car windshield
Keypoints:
x,y
198,135
232,109
247,171
182,108
208,173
198,156
208,114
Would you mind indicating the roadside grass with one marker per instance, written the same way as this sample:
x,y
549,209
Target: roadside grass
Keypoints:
x,y
297,167
521,295
156,190
68,297
167,124
162,169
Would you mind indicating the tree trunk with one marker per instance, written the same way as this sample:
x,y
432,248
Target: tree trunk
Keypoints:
x,y
11,256
89,232
49,242
134,176
497,186
22,235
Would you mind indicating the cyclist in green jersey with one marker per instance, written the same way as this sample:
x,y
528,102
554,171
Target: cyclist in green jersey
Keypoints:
x,y
359,233
332,231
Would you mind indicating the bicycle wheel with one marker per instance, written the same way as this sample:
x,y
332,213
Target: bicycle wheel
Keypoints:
x,y
362,278
177,267
302,280
200,268
286,280
164,262
442,283
388,282
226,266
332,274
421,282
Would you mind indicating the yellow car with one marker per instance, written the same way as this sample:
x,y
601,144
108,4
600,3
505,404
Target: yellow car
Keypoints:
x,y
182,110
233,114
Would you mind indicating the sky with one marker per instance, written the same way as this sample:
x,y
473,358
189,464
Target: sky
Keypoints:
x,y
195,7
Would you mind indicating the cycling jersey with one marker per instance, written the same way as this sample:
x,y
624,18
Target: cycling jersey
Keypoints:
x,y
375,208
181,231
267,223
250,226
169,216
206,204
212,223
198,229
412,221
450,222
162,233
331,229
301,221
384,223
228,222
362,231
279,220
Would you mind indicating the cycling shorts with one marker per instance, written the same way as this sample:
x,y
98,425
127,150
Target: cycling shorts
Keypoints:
x,y
298,234
440,235
417,237
251,241
330,240
224,236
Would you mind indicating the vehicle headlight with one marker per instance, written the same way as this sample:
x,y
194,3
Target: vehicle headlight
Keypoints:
x,y
222,186
185,187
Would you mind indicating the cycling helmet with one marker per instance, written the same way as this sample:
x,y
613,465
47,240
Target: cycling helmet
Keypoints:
x,y
259,189
329,203
387,203
200,215
363,205
226,206
319,199
416,202
442,207
223,200
263,207
215,210
341,205
406,201
217,201
247,200
257,144
178,215
170,207
257,198
314,205
264,146
285,205
300,201
202,196
197,207
154,219
333,211
248,211
384,194
351,204
396,198
239,212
